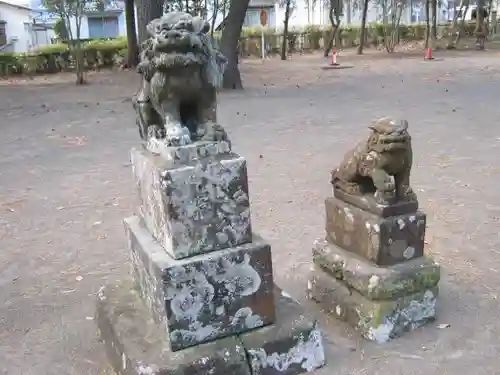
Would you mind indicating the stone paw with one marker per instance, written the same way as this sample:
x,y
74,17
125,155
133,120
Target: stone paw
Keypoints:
x,y
178,136
383,198
409,194
155,131
215,132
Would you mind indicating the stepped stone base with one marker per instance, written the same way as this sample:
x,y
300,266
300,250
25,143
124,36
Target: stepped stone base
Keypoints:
x,y
135,343
204,297
376,320
293,345
373,282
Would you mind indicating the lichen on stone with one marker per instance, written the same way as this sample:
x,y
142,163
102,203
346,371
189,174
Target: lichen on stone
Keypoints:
x,y
308,353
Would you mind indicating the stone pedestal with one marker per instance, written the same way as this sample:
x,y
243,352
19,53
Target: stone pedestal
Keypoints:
x,y
381,240
194,199
370,269
202,297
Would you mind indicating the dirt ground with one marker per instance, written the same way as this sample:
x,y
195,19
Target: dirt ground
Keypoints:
x,y
66,185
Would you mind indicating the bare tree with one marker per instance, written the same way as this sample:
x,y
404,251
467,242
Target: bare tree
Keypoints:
x,y
74,10
454,31
434,4
215,12
334,14
362,35
229,42
147,10
481,27
132,47
391,29
289,6
427,22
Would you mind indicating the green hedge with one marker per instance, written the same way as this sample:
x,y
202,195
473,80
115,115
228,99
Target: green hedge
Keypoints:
x,y
113,52
313,37
53,58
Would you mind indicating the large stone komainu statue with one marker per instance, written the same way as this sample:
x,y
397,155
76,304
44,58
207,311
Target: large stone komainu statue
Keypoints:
x,y
181,71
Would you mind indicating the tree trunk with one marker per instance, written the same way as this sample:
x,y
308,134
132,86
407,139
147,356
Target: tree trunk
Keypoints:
x,y
427,22
384,12
331,41
453,28
434,23
285,31
362,35
132,47
80,78
461,28
187,6
348,12
147,10
79,58
480,27
229,43
215,11
334,18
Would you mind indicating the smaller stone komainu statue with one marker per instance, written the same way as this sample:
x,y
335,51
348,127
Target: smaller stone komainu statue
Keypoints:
x,y
181,71
379,168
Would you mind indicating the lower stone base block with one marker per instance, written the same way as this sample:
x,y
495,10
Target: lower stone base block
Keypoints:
x,y
292,345
376,320
135,345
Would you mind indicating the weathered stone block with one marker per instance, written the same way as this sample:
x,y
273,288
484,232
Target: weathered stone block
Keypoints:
x,y
204,297
384,241
190,153
197,207
368,203
376,320
135,345
415,275
292,345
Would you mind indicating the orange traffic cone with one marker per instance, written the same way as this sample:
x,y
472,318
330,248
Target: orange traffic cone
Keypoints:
x,y
428,54
334,58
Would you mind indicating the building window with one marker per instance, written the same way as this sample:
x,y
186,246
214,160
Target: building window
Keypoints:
x,y
252,17
3,34
103,27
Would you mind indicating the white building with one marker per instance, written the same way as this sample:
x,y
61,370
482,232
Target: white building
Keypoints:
x,y
107,24
307,14
21,28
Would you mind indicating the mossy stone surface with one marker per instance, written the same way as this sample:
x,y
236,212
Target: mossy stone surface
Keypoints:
x,y
376,320
382,240
135,344
373,282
